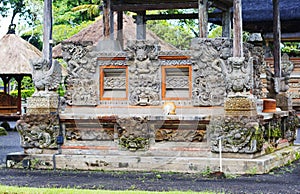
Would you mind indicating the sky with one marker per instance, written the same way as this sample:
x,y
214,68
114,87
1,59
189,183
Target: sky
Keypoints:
x,y
4,23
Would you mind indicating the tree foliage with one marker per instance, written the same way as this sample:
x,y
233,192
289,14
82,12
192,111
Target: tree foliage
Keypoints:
x,y
173,34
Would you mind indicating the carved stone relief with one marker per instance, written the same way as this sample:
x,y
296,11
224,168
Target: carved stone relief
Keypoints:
x,y
144,73
239,75
208,70
239,134
133,133
45,78
89,134
258,68
82,79
38,130
276,85
180,135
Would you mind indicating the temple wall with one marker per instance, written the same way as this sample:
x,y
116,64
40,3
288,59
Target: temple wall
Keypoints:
x,y
142,75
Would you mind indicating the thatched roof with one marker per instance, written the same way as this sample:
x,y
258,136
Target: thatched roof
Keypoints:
x,y
94,33
15,55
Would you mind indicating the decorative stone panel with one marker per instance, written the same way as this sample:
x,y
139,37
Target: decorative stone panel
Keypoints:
x,y
43,104
38,130
82,78
133,132
209,63
144,73
238,134
215,73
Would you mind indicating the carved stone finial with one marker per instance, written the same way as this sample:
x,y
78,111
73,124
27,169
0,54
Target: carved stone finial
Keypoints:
x,y
275,85
239,75
45,78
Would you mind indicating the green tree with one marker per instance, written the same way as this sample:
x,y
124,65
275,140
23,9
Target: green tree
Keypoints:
x,y
176,35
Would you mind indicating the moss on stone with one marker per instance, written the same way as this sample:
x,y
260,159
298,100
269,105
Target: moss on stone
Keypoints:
x,y
3,131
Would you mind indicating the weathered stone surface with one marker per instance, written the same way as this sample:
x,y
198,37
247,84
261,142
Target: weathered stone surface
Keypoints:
x,y
238,134
82,79
216,73
209,63
144,80
276,85
133,133
45,104
45,78
38,130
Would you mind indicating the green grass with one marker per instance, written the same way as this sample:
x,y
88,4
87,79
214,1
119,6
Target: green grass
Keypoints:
x,y
30,190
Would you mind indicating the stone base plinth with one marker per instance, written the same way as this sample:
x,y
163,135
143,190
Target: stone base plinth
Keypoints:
x,y
240,106
43,104
139,162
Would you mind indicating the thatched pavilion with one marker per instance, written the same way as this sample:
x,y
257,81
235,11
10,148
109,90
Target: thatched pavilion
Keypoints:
x,y
15,55
94,33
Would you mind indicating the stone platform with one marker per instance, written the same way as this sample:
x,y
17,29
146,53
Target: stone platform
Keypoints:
x,y
143,139
183,162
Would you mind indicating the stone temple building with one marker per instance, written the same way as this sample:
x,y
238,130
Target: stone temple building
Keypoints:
x,y
137,106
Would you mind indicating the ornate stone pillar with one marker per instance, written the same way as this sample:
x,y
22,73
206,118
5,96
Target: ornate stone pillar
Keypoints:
x,y
39,127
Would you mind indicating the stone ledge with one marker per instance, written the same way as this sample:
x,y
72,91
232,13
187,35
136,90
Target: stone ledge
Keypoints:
x,y
259,165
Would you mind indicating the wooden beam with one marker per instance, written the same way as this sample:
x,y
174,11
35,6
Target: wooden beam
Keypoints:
x,y
226,23
284,36
223,5
277,39
203,18
237,29
149,6
19,98
179,16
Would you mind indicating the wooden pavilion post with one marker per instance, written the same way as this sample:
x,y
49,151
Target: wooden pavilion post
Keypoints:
x,y
203,18
237,29
120,29
47,28
106,18
226,23
19,98
277,38
141,25
5,80
111,23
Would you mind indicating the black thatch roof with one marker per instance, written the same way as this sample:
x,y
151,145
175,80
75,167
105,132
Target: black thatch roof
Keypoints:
x,y
258,15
